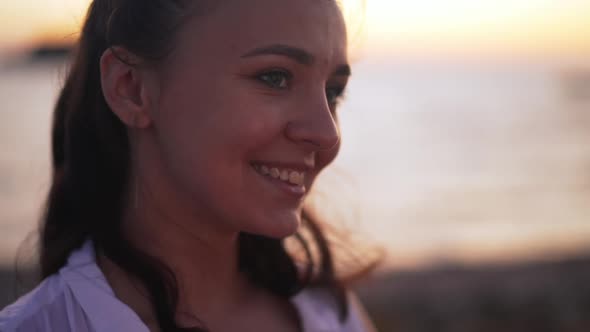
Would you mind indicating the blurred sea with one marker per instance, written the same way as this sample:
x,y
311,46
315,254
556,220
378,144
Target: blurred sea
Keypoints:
x,y
441,161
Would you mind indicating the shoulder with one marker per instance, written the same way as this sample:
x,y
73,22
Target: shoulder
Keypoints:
x,y
50,306
319,311
358,318
76,298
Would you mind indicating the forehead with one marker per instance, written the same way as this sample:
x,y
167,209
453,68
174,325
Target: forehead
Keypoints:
x,y
237,26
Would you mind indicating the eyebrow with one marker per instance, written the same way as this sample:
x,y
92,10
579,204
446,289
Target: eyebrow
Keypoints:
x,y
298,54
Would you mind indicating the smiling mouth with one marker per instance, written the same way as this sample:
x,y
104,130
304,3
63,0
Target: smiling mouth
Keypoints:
x,y
286,175
287,180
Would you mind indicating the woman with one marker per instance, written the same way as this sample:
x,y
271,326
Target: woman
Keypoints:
x,y
185,140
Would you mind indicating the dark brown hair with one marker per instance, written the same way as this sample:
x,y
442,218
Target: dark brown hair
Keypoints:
x,y
91,170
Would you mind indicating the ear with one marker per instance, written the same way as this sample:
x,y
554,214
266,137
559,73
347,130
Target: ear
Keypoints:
x,y
125,87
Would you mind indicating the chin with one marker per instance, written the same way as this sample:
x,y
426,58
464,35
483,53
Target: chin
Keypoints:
x,y
279,227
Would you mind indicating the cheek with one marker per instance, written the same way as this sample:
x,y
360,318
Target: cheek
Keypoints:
x,y
207,136
249,124
252,138
218,118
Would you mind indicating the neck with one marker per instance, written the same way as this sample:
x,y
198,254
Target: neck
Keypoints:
x,y
168,225
204,262
203,258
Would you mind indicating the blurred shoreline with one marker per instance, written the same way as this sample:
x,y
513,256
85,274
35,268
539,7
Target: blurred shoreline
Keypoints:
x,y
549,295
48,53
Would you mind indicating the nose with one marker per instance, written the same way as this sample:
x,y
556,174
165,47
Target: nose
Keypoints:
x,y
314,127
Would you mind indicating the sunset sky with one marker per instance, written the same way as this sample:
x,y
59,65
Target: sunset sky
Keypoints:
x,y
500,27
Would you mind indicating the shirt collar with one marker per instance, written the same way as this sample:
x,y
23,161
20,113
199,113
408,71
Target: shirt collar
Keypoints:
x,y
105,312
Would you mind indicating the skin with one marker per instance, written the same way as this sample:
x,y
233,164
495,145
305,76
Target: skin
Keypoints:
x,y
198,121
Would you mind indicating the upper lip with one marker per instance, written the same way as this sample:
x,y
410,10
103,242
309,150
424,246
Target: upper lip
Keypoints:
x,y
296,166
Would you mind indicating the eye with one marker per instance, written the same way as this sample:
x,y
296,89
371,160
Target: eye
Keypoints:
x,y
334,94
276,78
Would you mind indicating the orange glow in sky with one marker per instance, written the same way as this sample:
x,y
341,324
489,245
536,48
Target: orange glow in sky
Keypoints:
x,y
24,21
400,26
496,26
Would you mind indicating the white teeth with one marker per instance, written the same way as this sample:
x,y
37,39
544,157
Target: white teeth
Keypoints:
x,y
293,177
285,175
274,172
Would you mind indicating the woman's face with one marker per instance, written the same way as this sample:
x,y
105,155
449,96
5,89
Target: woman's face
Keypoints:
x,y
245,117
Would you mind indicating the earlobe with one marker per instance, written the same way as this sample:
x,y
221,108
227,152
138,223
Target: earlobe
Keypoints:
x,y
123,90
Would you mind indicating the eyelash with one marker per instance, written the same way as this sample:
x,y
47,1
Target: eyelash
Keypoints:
x,y
264,78
333,94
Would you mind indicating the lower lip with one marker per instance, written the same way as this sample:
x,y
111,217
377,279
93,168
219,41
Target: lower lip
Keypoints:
x,y
297,191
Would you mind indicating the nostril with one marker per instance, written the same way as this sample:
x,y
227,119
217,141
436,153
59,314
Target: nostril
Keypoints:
x,y
312,142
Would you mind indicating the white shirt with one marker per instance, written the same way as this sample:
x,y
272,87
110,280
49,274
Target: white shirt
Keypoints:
x,y
79,298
